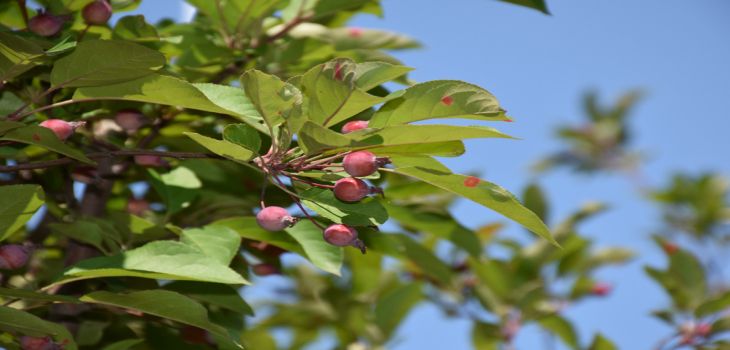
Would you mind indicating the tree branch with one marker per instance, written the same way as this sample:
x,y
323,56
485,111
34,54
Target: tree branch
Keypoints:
x,y
102,155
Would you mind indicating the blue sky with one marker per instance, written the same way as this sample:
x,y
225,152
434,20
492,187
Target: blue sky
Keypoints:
x,y
676,52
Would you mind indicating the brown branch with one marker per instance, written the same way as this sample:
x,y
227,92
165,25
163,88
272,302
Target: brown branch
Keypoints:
x,y
23,11
103,155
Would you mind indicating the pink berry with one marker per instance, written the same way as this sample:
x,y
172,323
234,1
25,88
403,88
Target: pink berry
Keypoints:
x,y
150,161
275,219
13,256
45,24
61,128
354,125
601,289
130,119
264,270
37,343
703,329
97,12
340,235
350,189
360,163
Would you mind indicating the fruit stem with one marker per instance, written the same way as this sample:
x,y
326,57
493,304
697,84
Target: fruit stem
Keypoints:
x,y
297,201
310,183
23,11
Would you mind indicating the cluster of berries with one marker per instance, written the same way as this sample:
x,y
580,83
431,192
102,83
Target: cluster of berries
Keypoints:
x,y
46,24
349,189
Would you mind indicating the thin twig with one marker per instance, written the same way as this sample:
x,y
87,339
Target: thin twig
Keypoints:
x,y
101,155
23,11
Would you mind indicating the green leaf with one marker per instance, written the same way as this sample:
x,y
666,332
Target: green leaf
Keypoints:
x,y
219,295
689,274
714,305
44,137
243,135
562,328
485,336
157,260
404,247
535,200
171,91
363,213
62,46
482,192
13,320
17,55
534,4
219,243
178,187
371,74
237,16
438,149
223,148
97,233
27,294
345,39
134,28
275,100
332,94
394,306
304,239
19,204
103,62
314,138
123,344
601,343
161,303
9,103
439,99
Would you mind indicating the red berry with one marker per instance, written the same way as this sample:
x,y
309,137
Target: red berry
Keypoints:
x,y
61,128
130,119
137,206
703,329
13,256
355,32
601,289
275,219
264,269
340,235
36,343
354,125
150,161
97,12
45,24
360,163
350,189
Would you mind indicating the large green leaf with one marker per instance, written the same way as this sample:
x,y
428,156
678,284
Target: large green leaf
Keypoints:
x,y
178,188
102,62
17,55
223,148
344,39
363,213
19,204
332,94
534,4
158,260
439,99
404,247
220,295
562,328
601,343
439,149
372,74
243,135
275,100
14,320
689,274
172,91
486,336
44,137
483,192
98,233
219,243
304,239
714,305
395,305
161,303
237,16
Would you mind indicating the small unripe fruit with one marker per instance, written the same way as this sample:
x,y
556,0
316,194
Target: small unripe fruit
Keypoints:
x,y
354,125
97,12
130,119
37,343
13,256
340,235
45,24
360,163
264,270
150,161
350,189
275,219
61,128
601,289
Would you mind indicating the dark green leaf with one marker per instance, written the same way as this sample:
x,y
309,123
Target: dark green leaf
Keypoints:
x,y
562,328
220,295
13,320
19,204
178,187
219,243
44,137
363,213
395,305
223,148
243,135
601,343
534,4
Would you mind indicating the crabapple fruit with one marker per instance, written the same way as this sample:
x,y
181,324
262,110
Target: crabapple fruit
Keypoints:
x,y
150,161
13,256
97,12
350,189
137,206
37,343
264,269
340,235
130,119
362,163
61,128
45,24
354,125
275,218
601,289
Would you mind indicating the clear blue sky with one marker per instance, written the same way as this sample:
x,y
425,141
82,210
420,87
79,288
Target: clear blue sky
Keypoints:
x,y
678,52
